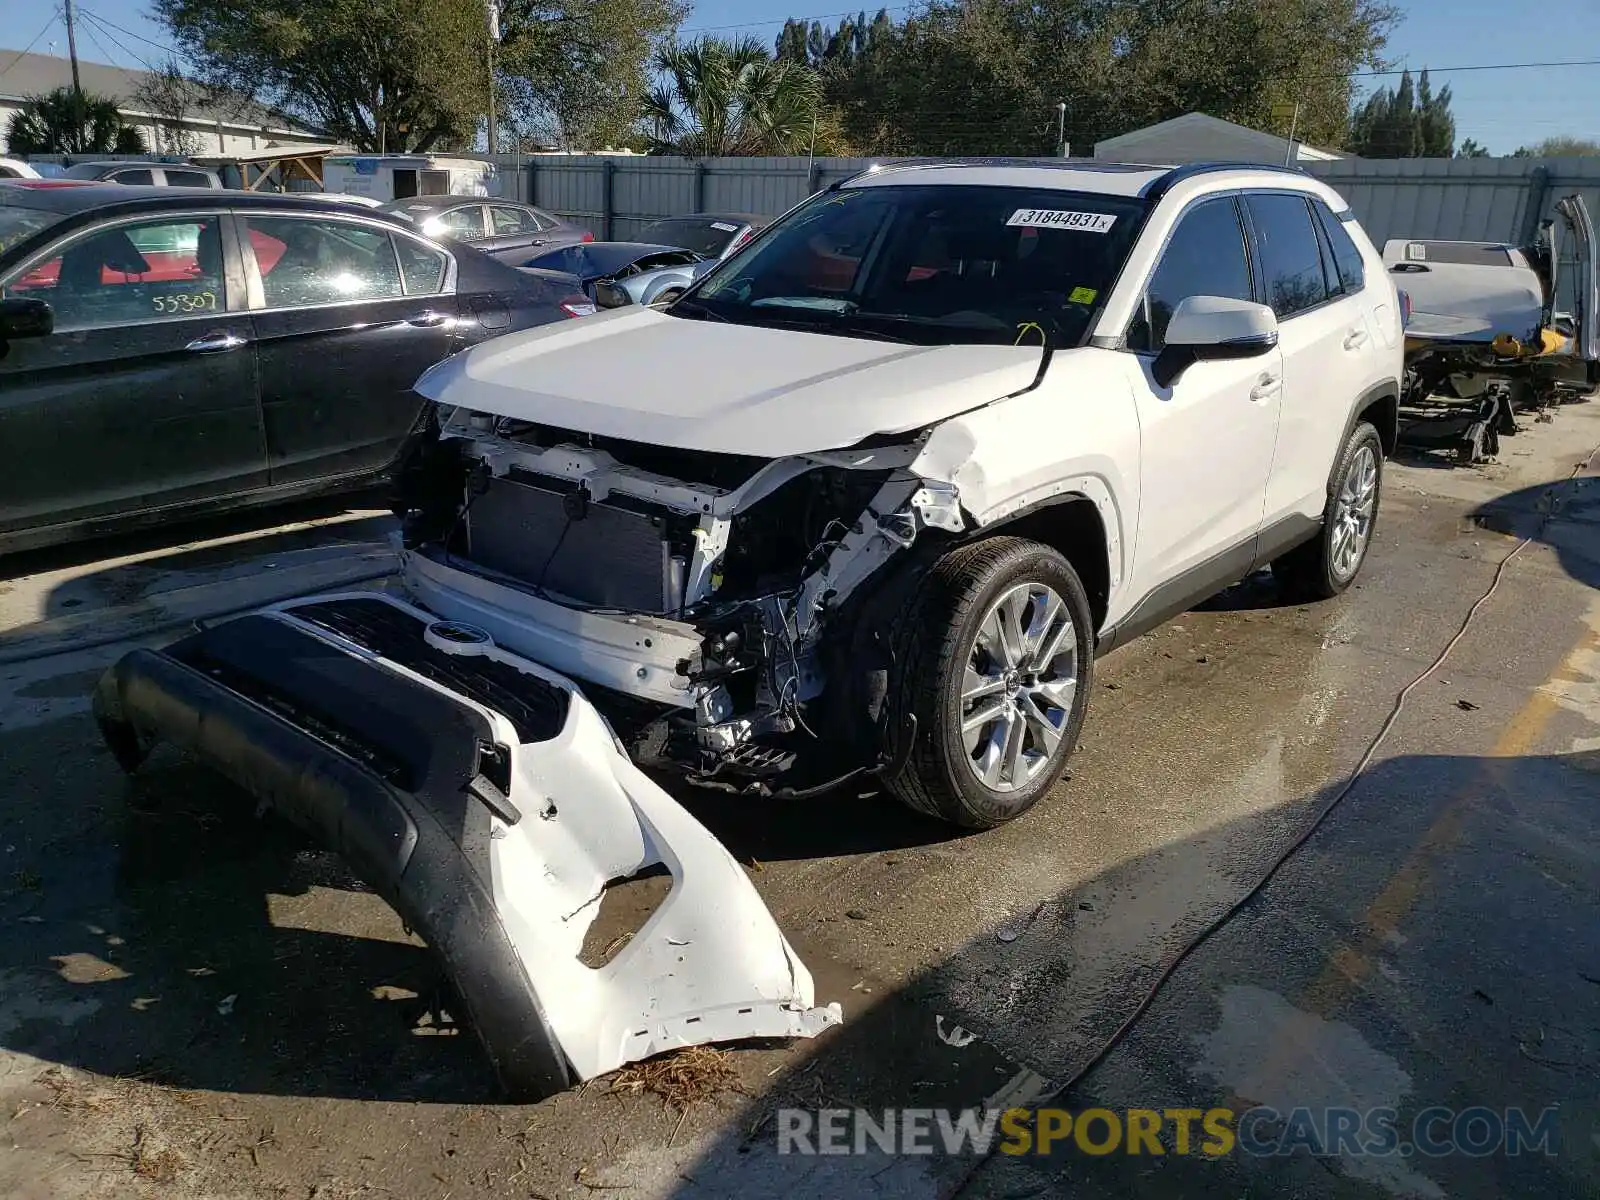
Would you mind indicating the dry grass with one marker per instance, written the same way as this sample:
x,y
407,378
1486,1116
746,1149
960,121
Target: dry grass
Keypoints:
x,y
681,1077
158,1164
69,1094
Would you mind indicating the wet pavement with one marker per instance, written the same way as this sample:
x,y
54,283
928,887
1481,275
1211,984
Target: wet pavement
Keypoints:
x,y
192,1003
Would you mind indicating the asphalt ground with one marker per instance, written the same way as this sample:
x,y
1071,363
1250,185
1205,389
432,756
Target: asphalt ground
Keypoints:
x,y
194,1004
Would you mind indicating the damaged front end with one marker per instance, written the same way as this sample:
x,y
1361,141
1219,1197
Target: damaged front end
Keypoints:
x,y
574,609
713,601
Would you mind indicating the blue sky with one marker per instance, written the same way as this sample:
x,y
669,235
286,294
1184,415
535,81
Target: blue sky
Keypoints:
x,y
1502,109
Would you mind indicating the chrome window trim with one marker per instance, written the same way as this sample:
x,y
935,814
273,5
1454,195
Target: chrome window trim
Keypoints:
x,y
257,295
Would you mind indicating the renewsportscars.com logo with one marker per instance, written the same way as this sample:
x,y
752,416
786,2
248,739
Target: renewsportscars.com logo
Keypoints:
x,y
1209,1133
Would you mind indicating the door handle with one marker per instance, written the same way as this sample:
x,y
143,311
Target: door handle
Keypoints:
x,y
215,343
1355,339
428,320
1265,386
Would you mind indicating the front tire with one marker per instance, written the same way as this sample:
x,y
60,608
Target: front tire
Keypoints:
x,y
993,659
1328,564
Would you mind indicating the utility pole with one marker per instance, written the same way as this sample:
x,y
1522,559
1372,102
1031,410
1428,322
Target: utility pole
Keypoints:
x,y
72,45
494,36
1061,129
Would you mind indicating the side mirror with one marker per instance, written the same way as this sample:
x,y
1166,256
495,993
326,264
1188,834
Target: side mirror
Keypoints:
x,y
25,317
1209,328
610,295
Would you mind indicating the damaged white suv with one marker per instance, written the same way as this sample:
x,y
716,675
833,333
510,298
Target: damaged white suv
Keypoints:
x,y
867,500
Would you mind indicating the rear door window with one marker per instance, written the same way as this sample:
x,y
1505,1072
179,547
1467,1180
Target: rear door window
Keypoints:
x,y
1291,256
135,177
465,223
304,261
505,220
149,271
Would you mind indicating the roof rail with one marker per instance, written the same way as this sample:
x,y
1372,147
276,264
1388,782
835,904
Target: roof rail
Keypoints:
x,y
1189,170
920,163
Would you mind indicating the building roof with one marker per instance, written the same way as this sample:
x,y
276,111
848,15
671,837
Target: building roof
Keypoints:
x,y
1268,145
34,74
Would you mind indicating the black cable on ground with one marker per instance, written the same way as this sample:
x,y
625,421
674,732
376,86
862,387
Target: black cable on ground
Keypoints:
x,y
1222,919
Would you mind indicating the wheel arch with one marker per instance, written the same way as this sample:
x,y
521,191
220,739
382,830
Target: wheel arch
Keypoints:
x,y
1379,406
1074,526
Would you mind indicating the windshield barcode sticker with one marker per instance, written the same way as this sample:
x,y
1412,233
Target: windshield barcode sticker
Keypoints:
x,y
1054,218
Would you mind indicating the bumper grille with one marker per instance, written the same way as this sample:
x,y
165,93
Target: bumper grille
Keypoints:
x,y
611,557
536,709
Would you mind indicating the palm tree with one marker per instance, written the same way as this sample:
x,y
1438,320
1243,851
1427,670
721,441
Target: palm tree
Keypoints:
x,y
69,121
723,97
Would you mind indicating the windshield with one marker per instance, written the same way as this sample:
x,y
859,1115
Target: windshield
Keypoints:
x,y
703,236
932,265
16,224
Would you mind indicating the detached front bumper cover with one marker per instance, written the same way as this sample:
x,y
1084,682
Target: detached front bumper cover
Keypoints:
x,y
487,800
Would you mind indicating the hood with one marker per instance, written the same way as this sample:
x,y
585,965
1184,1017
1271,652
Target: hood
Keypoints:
x,y
643,376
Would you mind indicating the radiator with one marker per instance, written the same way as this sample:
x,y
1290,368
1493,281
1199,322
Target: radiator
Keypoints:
x,y
610,557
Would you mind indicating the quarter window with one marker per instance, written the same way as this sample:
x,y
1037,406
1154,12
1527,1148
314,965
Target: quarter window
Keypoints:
x,y
1347,258
1290,252
187,179
152,271
304,261
421,267
1204,257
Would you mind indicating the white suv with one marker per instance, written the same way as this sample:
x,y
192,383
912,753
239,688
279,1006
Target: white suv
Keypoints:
x,y
868,500
888,481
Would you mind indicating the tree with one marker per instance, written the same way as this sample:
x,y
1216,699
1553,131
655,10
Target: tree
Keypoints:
x,y
1560,147
1471,149
574,72
732,97
985,76
1408,121
171,97
377,74
69,121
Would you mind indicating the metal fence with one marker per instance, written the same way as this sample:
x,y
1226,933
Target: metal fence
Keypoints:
x,y
1471,199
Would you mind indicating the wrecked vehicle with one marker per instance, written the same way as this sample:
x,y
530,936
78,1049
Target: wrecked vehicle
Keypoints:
x,y
867,501
1496,330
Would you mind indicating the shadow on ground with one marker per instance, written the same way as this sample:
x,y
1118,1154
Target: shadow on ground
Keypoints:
x,y
172,549
1471,982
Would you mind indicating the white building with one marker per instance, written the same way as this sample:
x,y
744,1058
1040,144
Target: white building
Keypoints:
x,y
224,130
1196,137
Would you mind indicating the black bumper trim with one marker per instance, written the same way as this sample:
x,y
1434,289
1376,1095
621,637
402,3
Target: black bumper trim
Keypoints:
x,y
424,848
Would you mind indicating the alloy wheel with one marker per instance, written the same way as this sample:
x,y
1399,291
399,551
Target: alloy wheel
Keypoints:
x,y
1018,686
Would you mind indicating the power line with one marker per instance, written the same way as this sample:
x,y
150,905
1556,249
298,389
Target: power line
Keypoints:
x,y
94,22
1512,66
88,30
130,33
51,20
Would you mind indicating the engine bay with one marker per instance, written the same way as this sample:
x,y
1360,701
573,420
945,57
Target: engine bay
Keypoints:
x,y
743,571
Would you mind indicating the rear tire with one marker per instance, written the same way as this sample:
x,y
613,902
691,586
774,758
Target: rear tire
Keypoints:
x,y
993,659
1329,563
